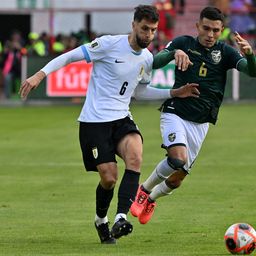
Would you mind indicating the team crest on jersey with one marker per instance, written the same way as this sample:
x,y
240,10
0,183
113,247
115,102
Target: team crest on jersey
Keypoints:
x,y
216,56
95,153
172,137
94,44
142,71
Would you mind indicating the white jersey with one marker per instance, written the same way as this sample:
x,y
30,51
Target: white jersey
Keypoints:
x,y
117,70
118,74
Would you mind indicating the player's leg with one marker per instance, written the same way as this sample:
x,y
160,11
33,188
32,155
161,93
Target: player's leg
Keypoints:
x,y
183,145
159,174
99,155
176,159
129,148
104,193
174,140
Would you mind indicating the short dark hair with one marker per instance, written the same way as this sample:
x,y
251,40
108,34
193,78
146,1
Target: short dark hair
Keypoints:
x,y
147,12
212,13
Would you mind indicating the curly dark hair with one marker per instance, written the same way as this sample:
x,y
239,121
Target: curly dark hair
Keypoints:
x,y
147,12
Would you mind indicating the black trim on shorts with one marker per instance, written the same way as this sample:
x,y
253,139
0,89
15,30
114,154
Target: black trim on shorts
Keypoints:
x,y
176,144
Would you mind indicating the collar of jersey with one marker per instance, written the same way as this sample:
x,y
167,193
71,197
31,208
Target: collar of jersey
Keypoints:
x,y
137,53
133,52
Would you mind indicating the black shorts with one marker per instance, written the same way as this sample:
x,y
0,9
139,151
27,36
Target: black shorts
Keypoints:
x,y
99,141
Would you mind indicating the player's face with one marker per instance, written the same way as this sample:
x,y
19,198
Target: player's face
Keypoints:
x,y
144,32
209,31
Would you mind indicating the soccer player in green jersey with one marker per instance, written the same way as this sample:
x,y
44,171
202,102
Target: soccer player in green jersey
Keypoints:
x,y
185,121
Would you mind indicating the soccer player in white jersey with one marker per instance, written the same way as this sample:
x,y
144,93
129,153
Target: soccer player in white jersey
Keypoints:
x,y
121,69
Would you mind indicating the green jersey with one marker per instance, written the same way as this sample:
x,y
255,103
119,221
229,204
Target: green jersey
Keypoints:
x,y
209,70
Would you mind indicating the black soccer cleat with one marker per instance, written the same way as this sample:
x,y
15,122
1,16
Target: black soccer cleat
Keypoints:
x,y
121,228
105,234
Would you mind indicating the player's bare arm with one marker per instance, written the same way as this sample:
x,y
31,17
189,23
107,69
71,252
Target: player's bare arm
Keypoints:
x,y
31,83
188,90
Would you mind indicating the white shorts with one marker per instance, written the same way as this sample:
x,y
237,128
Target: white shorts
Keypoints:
x,y
176,131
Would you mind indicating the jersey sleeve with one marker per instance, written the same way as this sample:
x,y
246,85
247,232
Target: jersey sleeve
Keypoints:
x,y
63,60
96,50
177,43
232,57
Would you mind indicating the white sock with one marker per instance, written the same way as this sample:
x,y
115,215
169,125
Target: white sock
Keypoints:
x,y
99,220
160,173
119,216
160,190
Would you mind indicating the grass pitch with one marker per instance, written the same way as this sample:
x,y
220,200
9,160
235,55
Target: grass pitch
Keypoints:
x,y
47,200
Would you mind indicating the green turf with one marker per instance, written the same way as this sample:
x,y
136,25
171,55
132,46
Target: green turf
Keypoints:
x,y
47,200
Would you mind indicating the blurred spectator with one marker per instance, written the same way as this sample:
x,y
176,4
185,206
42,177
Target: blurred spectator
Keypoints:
x,y
72,43
240,20
166,22
59,45
36,46
45,38
11,63
253,15
83,36
180,7
223,5
227,35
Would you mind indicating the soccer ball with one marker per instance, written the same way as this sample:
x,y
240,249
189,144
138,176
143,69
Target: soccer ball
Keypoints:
x,y
240,238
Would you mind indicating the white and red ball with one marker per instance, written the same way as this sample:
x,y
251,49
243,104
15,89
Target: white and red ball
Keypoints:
x,y
240,238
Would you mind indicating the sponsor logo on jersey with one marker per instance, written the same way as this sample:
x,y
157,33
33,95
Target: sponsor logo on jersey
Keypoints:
x,y
172,137
216,56
95,153
119,61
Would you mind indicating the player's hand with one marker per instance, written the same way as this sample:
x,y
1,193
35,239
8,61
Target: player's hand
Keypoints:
x,y
30,84
243,44
182,60
188,90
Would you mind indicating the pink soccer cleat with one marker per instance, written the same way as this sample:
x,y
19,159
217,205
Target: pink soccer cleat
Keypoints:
x,y
147,212
139,202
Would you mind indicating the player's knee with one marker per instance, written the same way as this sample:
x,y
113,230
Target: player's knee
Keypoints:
x,y
175,163
108,176
108,182
134,162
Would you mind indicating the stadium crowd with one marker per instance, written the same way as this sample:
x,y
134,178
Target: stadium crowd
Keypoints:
x,y
240,17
